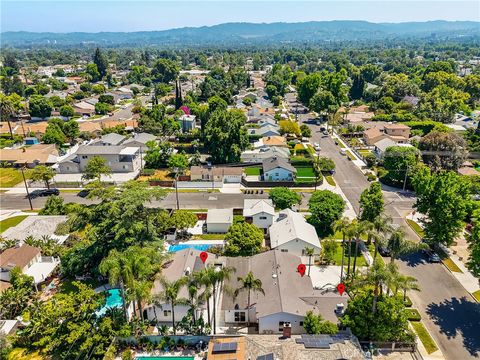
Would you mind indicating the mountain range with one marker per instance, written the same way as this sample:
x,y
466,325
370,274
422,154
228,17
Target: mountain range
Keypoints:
x,y
252,33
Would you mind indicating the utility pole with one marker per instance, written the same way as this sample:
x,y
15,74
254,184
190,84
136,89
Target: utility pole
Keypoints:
x,y
405,180
26,187
176,188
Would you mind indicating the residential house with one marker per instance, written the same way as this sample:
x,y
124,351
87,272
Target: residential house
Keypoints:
x,y
140,140
219,220
183,263
268,141
120,159
287,295
187,122
225,174
292,233
382,145
278,169
92,127
265,130
83,108
356,117
259,212
36,129
373,135
111,139
397,131
258,155
39,154
30,261
231,348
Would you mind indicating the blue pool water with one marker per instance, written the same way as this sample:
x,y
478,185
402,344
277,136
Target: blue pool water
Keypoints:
x,y
178,247
114,300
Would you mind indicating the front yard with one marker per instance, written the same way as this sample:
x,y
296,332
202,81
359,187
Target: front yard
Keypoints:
x,y
10,177
11,222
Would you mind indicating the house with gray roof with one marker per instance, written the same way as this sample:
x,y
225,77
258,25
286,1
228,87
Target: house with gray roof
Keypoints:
x,y
265,130
278,169
292,233
219,220
382,146
287,295
259,212
111,139
139,140
258,155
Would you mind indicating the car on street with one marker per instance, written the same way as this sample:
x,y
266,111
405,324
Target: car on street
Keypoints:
x,y
44,192
83,193
432,256
382,250
317,147
325,132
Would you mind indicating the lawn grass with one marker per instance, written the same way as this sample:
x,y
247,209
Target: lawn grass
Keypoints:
x,y
208,237
10,177
413,314
330,180
451,265
341,145
476,295
337,259
415,227
252,171
364,152
10,222
305,172
424,336
339,236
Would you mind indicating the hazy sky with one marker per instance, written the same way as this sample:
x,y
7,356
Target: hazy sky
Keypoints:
x,y
119,15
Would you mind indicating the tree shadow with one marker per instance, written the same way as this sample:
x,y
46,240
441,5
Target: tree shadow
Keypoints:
x,y
458,317
413,260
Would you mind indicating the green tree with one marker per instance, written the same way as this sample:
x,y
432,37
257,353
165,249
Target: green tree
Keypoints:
x,y
314,324
325,207
158,155
165,70
398,245
54,135
95,168
444,198
305,130
323,101
249,284
243,239
67,111
371,202
329,249
225,137
474,247
71,130
178,161
93,73
326,164
183,219
289,127
447,151
342,225
283,197
101,61
102,108
307,87
16,298
399,162
53,206
107,99
6,111
43,173
38,106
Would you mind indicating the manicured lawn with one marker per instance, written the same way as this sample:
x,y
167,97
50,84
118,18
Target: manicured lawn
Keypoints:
x,y
209,237
10,222
339,236
337,259
341,145
364,152
424,336
330,180
417,228
253,171
350,155
305,172
476,295
451,265
413,315
10,177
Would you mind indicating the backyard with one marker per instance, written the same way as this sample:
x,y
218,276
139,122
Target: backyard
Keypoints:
x,y
253,171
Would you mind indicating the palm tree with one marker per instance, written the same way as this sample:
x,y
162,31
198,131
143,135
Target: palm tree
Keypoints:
x,y
309,252
358,228
383,226
6,110
170,294
342,226
405,283
378,275
249,284
398,245
119,273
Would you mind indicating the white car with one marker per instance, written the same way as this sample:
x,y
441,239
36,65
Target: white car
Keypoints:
x,y
317,147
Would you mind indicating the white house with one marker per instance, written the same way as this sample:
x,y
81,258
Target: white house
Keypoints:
x,y
382,145
30,261
258,155
288,296
184,262
278,169
219,220
259,212
187,122
291,233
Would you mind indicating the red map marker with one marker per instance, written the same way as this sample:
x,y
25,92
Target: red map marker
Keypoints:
x,y
203,256
301,269
341,288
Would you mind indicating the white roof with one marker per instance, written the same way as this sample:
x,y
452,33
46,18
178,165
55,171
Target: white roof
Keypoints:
x,y
129,151
290,226
220,216
384,144
6,326
255,206
41,270
456,127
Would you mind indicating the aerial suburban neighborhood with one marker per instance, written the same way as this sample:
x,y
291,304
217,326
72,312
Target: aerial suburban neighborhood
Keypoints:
x,y
241,191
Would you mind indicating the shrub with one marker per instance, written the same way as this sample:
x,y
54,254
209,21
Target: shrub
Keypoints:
x,y
148,172
300,160
413,315
371,177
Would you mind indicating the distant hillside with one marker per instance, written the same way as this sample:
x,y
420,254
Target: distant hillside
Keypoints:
x,y
251,34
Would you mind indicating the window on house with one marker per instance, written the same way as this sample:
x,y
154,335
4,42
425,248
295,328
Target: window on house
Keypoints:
x,y
167,312
284,250
301,323
276,174
84,157
280,325
240,316
263,218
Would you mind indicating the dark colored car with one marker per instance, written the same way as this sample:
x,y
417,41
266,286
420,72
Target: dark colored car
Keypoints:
x,y
384,251
44,192
83,193
432,256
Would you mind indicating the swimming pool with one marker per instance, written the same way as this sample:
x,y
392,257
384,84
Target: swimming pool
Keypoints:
x,y
178,247
165,357
114,300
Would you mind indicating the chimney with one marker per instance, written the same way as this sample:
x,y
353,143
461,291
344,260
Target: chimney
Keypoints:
x,y
287,330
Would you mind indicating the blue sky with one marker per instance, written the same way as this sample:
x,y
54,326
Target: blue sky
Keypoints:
x,y
123,15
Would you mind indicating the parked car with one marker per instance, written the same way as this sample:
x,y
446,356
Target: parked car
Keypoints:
x,y
432,256
325,132
83,193
317,147
383,251
44,192
343,152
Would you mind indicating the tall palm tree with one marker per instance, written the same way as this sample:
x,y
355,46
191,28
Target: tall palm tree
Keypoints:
x,y
170,294
378,276
383,225
6,110
398,245
309,251
342,226
249,284
405,283
215,276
